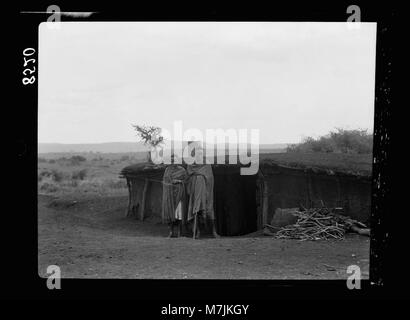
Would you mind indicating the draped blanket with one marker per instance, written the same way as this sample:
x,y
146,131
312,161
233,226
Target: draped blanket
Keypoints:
x,y
173,191
200,189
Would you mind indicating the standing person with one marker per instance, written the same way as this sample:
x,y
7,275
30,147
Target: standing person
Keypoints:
x,y
200,189
173,197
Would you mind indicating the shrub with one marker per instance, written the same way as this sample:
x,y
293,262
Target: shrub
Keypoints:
x,y
73,183
79,175
340,141
44,174
48,187
54,175
78,158
57,176
41,160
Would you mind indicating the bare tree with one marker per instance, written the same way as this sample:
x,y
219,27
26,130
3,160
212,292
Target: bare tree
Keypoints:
x,y
150,135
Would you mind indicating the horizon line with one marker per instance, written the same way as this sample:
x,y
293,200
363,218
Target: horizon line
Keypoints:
x,y
88,142
105,142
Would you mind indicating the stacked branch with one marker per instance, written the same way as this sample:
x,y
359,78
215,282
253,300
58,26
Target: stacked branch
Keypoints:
x,y
318,224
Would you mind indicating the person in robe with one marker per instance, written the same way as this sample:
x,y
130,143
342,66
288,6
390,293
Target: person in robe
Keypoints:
x,y
200,190
173,197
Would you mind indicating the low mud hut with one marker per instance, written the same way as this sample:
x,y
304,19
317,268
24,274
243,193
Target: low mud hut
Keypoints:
x,y
244,204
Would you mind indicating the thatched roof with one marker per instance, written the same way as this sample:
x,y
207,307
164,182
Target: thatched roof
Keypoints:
x,y
328,163
144,169
332,163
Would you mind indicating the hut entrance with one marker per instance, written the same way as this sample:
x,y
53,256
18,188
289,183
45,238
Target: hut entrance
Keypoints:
x,y
235,201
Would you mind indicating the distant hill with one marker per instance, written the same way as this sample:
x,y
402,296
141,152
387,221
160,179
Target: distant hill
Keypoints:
x,y
106,147
273,148
121,147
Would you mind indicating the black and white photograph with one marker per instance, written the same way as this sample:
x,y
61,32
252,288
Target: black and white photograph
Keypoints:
x,y
175,154
205,150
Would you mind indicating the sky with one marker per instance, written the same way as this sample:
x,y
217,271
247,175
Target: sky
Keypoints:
x,y
288,80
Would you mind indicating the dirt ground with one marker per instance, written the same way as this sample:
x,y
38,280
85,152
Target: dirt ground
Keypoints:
x,y
91,238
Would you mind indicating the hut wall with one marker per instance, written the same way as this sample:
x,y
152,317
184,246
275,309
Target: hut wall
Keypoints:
x,y
286,187
154,199
289,188
136,186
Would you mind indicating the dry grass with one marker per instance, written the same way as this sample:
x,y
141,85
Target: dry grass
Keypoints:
x,y
82,175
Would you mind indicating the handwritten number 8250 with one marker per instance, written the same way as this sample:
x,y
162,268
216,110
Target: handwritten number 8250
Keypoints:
x,y
27,53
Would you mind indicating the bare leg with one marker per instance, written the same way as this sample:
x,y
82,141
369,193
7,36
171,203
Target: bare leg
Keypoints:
x,y
171,230
215,234
198,225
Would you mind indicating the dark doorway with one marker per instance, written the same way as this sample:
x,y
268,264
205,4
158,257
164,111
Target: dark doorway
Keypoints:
x,y
234,201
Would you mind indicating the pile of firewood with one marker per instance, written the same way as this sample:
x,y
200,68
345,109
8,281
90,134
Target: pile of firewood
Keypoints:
x,y
318,224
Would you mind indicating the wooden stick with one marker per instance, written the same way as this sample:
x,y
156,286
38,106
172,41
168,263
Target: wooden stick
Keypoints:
x,y
360,224
265,203
144,193
128,212
195,224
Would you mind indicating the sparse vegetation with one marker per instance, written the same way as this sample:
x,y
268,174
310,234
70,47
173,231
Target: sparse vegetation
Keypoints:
x,y
339,141
79,175
54,175
77,159
48,187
